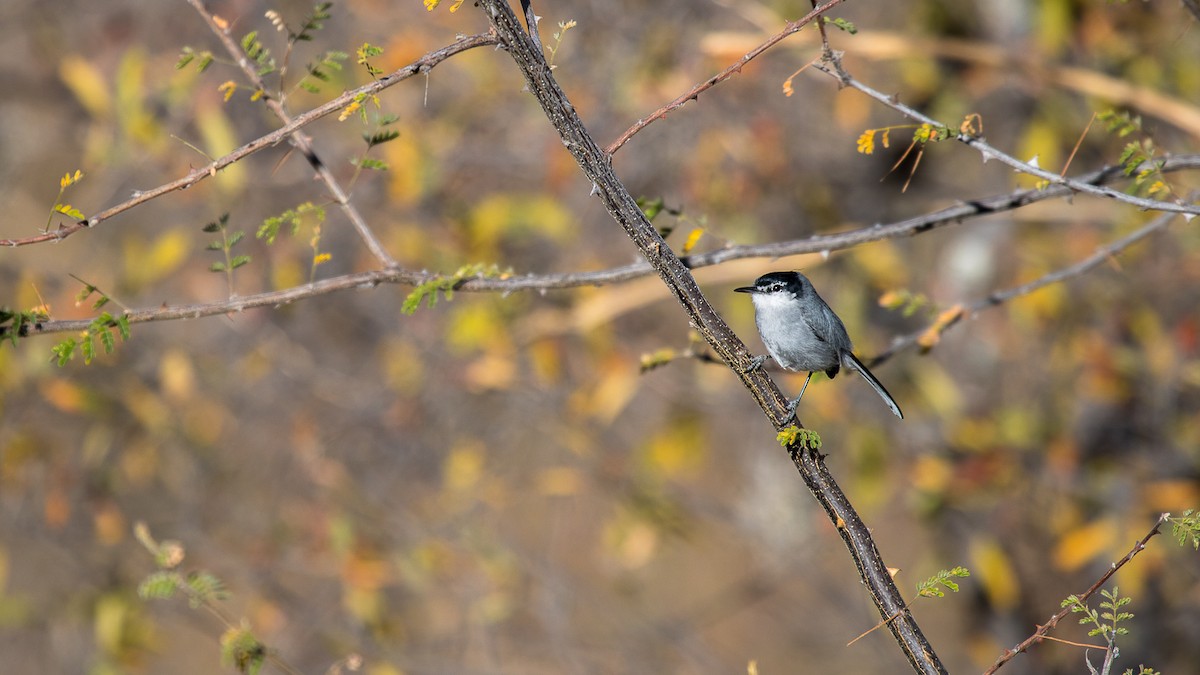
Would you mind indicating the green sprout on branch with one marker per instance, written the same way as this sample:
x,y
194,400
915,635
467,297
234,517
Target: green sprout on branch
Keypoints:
x,y
428,292
932,587
225,245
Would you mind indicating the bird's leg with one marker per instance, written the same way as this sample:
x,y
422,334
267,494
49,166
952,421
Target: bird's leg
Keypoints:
x,y
756,363
796,401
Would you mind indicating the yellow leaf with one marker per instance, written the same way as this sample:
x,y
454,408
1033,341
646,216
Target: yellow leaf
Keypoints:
x,y
992,567
634,541
147,265
933,334
1083,544
219,139
938,390
476,324
931,474
866,142
463,467
617,383
492,371
86,82
135,118
69,179
403,366
693,238
322,258
412,171
560,481
884,262
675,450
64,395
108,523
227,88
349,110
109,622
176,374
507,217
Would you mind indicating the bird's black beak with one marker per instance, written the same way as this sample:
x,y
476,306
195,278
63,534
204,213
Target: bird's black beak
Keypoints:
x,y
745,289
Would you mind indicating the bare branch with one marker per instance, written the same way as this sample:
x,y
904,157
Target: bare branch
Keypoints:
x,y
693,94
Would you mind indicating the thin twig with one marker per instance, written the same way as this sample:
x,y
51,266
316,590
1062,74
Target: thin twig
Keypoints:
x,y
1102,255
545,282
693,94
1042,630
299,139
989,152
272,139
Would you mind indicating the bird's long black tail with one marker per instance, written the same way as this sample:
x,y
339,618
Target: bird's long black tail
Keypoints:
x,y
851,361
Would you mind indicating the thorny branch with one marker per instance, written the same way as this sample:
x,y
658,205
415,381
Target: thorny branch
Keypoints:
x,y
834,69
693,94
997,298
1042,630
620,204
544,282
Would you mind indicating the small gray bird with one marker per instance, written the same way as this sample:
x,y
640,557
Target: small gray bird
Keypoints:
x,y
802,333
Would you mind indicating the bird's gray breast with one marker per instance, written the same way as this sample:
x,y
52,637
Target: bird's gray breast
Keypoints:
x,y
790,338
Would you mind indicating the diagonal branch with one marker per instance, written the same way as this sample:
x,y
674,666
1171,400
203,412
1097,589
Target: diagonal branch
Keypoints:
x,y
1102,255
299,139
834,69
1042,630
421,65
675,275
693,94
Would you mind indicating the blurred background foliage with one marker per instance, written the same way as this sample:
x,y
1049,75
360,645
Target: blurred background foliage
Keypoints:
x,y
490,485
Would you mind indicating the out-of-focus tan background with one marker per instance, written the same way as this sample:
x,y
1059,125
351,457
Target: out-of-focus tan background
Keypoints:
x,y
490,486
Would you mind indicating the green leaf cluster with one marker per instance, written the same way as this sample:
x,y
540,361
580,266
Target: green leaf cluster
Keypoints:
x,y
15,324
364,54
240,649
932,587
329,61
312,23
1137,157
258,53
840,23
802,438
100,328
292,219
202,59
1187,527
1120,123
428,291
379,136
1105,623
225,244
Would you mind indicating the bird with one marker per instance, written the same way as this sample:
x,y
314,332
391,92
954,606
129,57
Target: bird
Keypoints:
x,y
802,333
